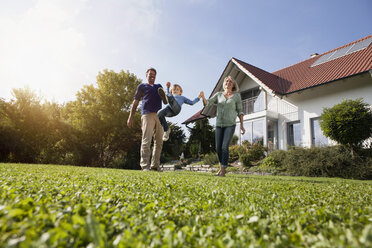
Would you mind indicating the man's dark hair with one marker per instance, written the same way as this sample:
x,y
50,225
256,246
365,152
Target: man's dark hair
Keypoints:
x,y
151,69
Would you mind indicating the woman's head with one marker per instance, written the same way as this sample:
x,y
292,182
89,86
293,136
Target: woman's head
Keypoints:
x,y
230,82
176,89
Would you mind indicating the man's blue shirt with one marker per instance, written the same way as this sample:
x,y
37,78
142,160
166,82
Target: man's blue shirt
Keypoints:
x,y
151,101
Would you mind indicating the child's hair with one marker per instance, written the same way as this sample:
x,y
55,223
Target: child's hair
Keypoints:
x,y
174,86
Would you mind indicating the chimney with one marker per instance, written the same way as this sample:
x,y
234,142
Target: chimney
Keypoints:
x,y
313,55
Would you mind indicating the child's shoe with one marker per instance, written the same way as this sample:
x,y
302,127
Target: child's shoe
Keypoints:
x,y
166,134
163,95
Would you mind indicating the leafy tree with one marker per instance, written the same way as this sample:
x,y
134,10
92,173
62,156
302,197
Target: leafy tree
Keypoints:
x,y
174,146
349,123
202,135
98,116
27,128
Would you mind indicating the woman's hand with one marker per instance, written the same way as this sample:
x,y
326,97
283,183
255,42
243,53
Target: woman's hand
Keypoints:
x,y
242,129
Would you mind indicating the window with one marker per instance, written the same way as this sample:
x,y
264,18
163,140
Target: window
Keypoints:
x,y
254,131
294,133
272,134
317,137
253,101
258,134
248,131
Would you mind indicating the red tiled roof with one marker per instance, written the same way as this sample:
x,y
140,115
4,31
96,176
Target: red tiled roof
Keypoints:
x,y
195,117
270,80
301,76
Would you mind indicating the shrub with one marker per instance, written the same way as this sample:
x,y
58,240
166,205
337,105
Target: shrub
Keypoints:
x,y
210,159
275,158
234,152
246,159
326,162
257,152
349,123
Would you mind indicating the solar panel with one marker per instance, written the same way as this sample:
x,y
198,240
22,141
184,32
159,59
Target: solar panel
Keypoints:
x,y
323,59
339,53
343,51
360,45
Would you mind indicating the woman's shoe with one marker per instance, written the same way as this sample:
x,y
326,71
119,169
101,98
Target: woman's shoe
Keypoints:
x,y
222,172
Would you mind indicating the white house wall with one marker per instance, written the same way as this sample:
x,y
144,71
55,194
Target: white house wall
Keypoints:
x,y
247,83
311,102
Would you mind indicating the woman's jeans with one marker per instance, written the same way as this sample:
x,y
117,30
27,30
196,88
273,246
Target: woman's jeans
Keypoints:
x,y
223,139
172,109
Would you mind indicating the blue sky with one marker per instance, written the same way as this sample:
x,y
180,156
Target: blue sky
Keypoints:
x,y
56,46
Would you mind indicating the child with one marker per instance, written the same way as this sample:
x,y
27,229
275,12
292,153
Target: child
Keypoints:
x,y
175,100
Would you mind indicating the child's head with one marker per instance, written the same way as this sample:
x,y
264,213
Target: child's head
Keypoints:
x,y
176,89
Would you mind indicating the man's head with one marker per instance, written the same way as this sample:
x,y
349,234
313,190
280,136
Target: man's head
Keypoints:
x,y
151,75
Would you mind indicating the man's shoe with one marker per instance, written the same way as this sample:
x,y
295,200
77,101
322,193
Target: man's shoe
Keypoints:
x,y
157,169
166,134
163,95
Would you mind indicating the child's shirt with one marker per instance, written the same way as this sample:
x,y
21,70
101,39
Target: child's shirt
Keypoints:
x,y
181,99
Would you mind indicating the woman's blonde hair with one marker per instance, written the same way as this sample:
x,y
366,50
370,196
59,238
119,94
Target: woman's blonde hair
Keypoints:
x,y
235,87
174,86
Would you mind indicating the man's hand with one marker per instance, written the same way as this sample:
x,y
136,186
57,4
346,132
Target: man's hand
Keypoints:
x,y
130,122
131,114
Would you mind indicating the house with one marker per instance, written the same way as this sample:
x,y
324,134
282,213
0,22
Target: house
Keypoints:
x,y
283,108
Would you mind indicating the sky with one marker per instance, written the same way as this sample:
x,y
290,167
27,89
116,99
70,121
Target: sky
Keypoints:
x,y
55,47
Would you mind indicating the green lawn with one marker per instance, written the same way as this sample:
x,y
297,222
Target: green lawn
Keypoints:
x,y
62,206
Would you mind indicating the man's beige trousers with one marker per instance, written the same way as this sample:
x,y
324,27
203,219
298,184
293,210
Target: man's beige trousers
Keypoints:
x,y
151,127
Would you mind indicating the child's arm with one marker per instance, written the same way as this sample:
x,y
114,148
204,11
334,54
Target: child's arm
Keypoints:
x,y
189,102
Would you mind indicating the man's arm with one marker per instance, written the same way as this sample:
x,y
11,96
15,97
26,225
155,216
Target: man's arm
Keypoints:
x,y
131,114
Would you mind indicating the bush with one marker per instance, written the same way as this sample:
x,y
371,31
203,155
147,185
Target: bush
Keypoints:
x,y
326,162
257,152
246,159
234,152
275,158
349,123
210,159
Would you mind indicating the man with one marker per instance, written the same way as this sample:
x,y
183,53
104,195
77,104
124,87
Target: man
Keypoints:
x,y
150,124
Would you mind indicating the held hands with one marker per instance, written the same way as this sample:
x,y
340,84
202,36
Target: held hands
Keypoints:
x,y
201,96
168,84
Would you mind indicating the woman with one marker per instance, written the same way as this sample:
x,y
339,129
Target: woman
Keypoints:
x,y
229,106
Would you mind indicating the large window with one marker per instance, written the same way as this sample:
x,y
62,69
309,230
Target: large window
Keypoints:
x,y
317,137
254,131
294,133
258,134
248,131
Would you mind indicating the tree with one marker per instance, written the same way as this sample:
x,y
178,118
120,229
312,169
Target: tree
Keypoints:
x,y
29,129
349,123
202,138
174,146
99,115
